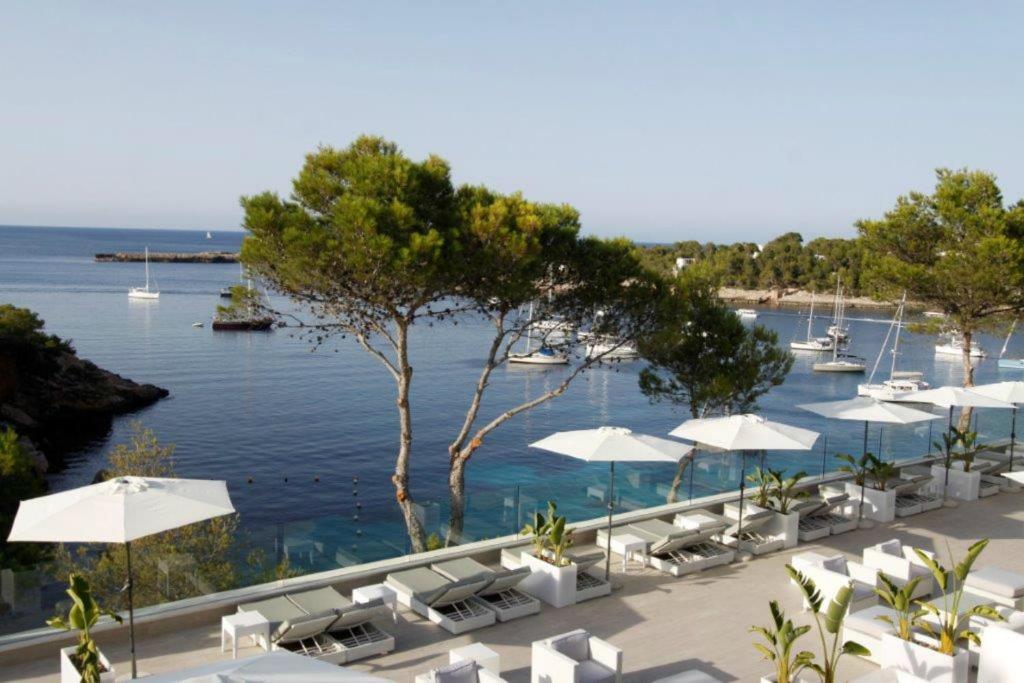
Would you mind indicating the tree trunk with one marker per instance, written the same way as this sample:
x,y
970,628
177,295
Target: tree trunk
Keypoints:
x,y
413,524
677,481
965,414
457,501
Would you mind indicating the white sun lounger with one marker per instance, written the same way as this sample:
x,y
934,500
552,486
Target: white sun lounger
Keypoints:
x,y
452,605
676,550
501,593
588,583
291,628
755,539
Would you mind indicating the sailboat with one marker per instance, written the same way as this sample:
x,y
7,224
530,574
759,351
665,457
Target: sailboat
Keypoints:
x,y
145,292
607,348
899,382
845,363
543,355
839,332
208,235
1010,363
816,344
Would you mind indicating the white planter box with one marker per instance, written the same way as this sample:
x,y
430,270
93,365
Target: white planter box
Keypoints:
x,y
553,585
924,662
962,485
787,526
774,679
878,505
70,674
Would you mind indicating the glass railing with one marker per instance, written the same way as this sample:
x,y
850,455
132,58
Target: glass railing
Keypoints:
x,y
222,556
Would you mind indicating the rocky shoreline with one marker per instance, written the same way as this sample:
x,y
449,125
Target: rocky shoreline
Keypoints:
x,y
168,257
796,297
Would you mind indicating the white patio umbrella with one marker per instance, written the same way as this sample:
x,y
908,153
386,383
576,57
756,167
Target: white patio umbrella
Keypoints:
x,y
952,397
611,445
120,510
745,433
1010,392
277,666
868,410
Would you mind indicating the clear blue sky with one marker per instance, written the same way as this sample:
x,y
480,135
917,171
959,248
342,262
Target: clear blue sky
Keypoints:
x,y
660,121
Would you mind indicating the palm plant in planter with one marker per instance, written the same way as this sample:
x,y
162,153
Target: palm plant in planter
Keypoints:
x,y
780,639
969,447
539,530
82,616
784,490
900,599
559,540
829,622
880,472
761,480
858,467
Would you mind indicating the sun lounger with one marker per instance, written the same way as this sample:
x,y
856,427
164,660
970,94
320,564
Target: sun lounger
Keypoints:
x,y
755,539
675,550
912,498
292,628
811,527
453,605
588,584
500,594
1002,586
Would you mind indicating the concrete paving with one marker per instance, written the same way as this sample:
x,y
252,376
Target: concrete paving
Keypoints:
x,y
663,625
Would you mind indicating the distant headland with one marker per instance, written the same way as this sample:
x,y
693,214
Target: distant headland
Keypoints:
x,y
168,257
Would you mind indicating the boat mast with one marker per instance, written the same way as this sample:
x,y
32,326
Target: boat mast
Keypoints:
x,y
810,318
885,343
896,341
147,268
528,341
1006,343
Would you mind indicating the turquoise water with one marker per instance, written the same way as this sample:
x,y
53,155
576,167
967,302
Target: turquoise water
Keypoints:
x,y
263,407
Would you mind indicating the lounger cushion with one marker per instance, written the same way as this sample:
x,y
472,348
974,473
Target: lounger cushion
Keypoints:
x,y
353,615
585,559
275,610
700,520
459,672
997,582
423,584
866,621
592,672
575,645
462,568
319,599
892,547
506,579
303,627
836,563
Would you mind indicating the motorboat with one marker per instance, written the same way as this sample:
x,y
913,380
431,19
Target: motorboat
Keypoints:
x,y
607,349
198,324
934,314
145,292
749,313
954,346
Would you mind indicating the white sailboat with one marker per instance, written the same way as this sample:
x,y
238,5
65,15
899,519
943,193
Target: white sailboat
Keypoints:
x,y
611,349
748,313
208,235
899,382
1010,363
145,292
812,343
543,355
845,363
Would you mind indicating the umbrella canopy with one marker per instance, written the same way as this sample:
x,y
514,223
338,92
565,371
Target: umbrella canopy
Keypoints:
x,y
613,444
278,666
745,433
119,510
950,397
1008,392
867,409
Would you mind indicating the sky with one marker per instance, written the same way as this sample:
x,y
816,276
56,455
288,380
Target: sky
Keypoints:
x,y
660,121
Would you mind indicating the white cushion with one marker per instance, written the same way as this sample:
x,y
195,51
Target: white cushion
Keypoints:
x,y
575,645
592,672
459,672
997,581
892,547
836,563
866,621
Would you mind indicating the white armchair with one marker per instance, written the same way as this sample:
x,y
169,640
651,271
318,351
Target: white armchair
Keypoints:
x,y
900,564
575,657
1000,655
466,671
830,574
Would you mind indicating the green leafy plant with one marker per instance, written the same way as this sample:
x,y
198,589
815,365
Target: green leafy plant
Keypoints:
x,y
880,471
780,639
539,530
945,445
82,616
969,447
900,599
952,624
784,490
858,467
829,622
560,539
761,479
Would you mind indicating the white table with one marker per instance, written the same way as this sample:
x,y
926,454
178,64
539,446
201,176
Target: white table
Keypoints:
x,y
243,624
484,656
625,544
377,591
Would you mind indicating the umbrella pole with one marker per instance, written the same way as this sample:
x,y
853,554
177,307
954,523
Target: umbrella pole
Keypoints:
x,y
611,507
864,479
131,610
1013,434
949,451
743,486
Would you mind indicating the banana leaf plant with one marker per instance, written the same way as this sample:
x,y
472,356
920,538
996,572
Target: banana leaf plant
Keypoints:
x,y
952,625
784,489
559,540
880,471
829,621
969,447
761,480
946,444
82,616
900,599
858,467
538,529
779,642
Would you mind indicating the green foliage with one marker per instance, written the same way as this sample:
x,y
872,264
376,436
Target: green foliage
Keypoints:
x,y
867,466
23,341
560,540
704,357
947,624
779,641
539,530
784,489
880,471
900,599
762,481
945,445
19,480
434,541
550,535
82,616
829,621
969,446
958,250
245,303
199,555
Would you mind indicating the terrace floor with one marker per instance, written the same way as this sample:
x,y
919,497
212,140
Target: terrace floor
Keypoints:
x,y
662,624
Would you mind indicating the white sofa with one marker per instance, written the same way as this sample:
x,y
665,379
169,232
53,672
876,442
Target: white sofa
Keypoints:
x,y
575,657
831,572
900,564
466,671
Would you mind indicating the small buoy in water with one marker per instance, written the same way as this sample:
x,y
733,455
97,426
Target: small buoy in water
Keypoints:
x,y
250,480
355,518
359,506
355,480
286,480
197,324
316,478
355,492
359,532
